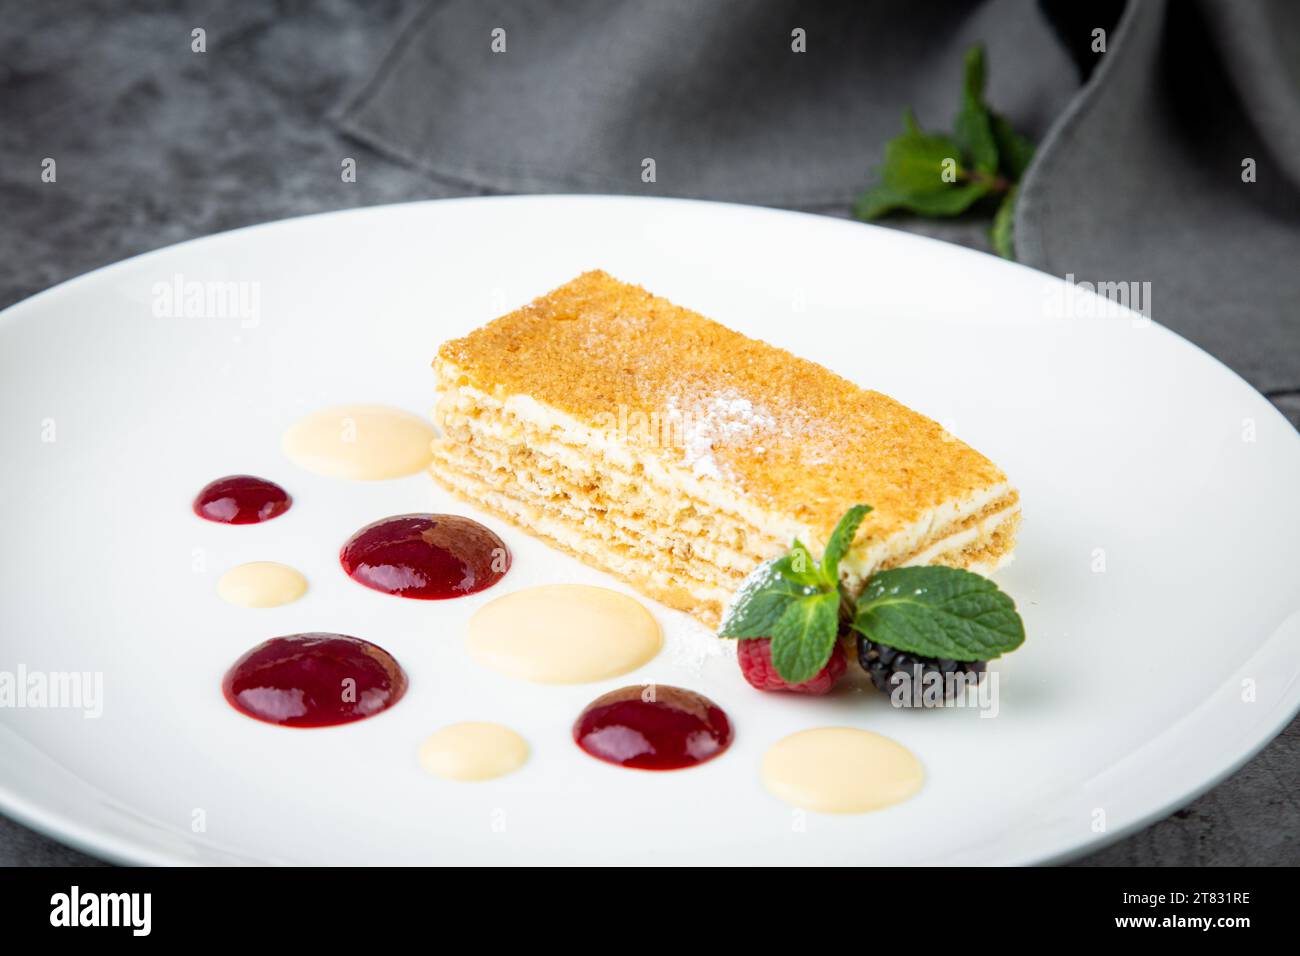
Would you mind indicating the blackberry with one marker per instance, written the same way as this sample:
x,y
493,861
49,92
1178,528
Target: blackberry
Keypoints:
x,y
882,662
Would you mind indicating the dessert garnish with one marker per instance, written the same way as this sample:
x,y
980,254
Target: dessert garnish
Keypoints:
x,y
241,499
755,656
653,727
425,556
314,680
933,617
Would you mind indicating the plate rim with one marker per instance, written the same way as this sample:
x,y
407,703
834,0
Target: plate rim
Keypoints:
x,y
66,829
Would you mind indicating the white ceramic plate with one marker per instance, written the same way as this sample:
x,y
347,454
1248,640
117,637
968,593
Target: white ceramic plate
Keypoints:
x,y
1155,570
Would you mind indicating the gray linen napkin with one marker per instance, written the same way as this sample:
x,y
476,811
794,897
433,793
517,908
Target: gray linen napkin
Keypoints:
x,y
1141,179
1138,180
585,90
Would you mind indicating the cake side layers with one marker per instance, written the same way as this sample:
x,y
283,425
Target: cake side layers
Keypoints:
x,y
699,589
596,457
611,505
704,600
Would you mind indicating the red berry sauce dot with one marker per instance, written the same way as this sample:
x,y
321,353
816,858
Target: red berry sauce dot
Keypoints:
x,y
241,499
425,556
672,729
314,680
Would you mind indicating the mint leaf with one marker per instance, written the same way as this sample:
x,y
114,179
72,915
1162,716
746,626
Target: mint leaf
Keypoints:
x,y
951,202
938,612
973,74
762,598
840,541
1014,151
804,636
973,126
1001,231
803,567
879,200
912,177
914,161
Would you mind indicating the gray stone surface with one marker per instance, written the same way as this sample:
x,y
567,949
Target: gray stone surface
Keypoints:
x,y
156,144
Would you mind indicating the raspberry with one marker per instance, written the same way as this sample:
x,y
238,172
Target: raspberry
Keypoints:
x,y
755,655
882,662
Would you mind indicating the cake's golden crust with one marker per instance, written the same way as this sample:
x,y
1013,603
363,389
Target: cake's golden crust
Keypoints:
x,y
796,439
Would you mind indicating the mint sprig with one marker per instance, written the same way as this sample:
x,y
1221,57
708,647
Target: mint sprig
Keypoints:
x,y
938,175
938,612
934,611
795,601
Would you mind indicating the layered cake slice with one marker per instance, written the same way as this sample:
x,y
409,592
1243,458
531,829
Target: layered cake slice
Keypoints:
x,y
661,446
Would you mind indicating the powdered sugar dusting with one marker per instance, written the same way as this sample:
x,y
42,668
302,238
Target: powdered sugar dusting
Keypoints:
x,y
703,424
695,648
